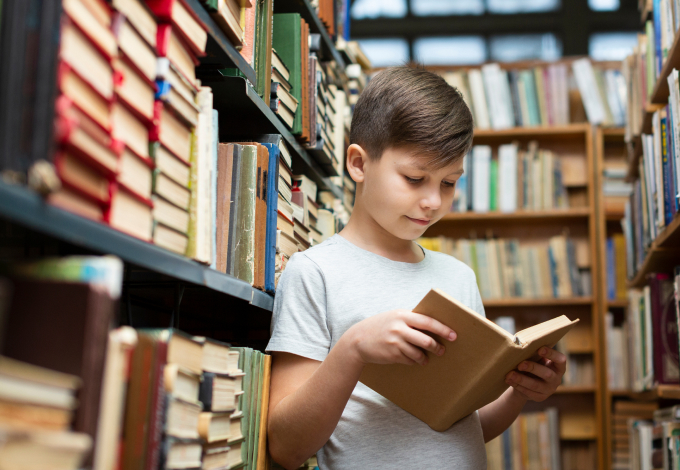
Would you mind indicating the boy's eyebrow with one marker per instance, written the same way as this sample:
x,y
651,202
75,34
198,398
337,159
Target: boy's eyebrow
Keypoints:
x,y
421,167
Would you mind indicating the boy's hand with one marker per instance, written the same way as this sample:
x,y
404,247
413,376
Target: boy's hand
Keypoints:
x,y
536,381
393,338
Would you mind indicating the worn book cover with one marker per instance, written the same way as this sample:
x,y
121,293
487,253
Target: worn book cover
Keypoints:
x,y
244,242
471,373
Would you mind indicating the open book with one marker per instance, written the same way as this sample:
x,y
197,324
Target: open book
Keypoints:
x,y
471,373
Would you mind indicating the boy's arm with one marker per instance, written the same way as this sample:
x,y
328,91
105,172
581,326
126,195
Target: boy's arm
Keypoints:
x,y
536,382
307,397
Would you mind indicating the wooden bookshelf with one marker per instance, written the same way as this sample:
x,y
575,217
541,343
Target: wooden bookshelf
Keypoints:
x,y
580,407
662,256
661,91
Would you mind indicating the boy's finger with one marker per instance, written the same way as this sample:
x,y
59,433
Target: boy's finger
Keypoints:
x,y
530,394
539,370
413,353
423,322
558,359
423,341
532,383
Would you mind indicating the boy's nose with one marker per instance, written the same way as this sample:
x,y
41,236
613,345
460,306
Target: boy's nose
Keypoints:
x,y
432,200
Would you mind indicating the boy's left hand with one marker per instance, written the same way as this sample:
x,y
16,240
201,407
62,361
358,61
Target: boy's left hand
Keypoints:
x,y
536,381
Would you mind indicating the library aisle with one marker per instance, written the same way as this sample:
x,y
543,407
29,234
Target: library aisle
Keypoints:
x,y
161,161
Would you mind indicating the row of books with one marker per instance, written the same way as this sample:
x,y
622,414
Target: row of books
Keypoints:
x,y
539,96
616,267
516,179
653,330
626,456
532,441
505,268
146,398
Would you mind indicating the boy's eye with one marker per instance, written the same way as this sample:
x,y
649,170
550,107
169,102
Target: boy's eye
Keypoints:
x,y
413,180
448,184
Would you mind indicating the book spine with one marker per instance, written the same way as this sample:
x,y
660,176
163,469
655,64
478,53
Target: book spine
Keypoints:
x,y
666,171
157,417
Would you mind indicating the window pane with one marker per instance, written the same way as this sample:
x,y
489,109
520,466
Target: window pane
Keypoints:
x,y
378,8
524,47
604,5
450,51
385,52
447,7
522,6
611,46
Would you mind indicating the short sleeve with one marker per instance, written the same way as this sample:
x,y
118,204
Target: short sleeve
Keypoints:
x,y
299,318
479,306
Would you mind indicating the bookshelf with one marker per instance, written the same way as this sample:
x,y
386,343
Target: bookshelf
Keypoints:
x,y
580,406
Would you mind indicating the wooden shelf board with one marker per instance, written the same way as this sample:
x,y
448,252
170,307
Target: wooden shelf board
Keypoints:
x,y
567,389
671,392
617,303
614,131
648,112
635,152
660,93
662,256
571,129
592,437
549,216
667,392
526,302
614,215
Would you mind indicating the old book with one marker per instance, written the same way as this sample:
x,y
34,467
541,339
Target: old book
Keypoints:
x,y
476,363
220,392
132,46
33,449
218,357
129,129
244,236
180,453
181,382
131,214
287,42
225,175
140,17
173,133
181,418
169,238
184,21
84,96
213,427
70,321
82,178
133,89
171,46
262,456
72,201
136,172
229,22
234,207
170,215
174,168
170,190
222,454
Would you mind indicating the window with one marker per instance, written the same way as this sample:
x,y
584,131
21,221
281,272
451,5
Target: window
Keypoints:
x,y
450,7
611,46
385,52
450,50
522,6
363,9
510,48
604,5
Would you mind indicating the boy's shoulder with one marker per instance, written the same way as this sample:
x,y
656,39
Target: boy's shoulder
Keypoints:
x,y
450,263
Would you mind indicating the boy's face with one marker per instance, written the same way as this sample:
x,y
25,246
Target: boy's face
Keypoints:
x,y
403,195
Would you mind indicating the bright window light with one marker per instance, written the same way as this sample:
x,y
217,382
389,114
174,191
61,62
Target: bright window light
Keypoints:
x,y
450,50
510,48
363,9
611,46
385,52
523,6
604,5
447,7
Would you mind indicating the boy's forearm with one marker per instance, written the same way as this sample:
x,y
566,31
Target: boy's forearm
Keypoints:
x,y
303,421
498,415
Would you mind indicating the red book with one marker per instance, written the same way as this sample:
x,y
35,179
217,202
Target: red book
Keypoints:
x,y
158,405
171,46
664,329
184,20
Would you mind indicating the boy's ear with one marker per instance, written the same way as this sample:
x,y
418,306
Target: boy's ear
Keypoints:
x,y
356,159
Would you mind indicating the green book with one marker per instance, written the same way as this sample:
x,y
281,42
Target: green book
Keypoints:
x,y
286,40
254,427
263,48
651,57
244,246
193,204
532,100
245,364
493,186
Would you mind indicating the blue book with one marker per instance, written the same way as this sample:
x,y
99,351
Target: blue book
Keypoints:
x,y
672,162
553,273
666,174
272,198
658,60
611,270
507,449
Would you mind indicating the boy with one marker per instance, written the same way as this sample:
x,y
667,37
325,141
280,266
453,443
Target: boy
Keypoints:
x,y
347,301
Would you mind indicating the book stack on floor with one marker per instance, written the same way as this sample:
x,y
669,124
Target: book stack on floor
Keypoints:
x,y
652,322
183,135
654,202
624,416
505,268
616,267
539,96
532,441
64,305
528,180
220,423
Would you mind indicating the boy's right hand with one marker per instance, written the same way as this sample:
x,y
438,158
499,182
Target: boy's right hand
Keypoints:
x,y
394,338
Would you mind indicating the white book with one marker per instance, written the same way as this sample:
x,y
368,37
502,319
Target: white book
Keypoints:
x,y
479,99
481,170
658,173
457,80
648,379
507,98
674,101
615,105
491,73
204,187
587,85
507,178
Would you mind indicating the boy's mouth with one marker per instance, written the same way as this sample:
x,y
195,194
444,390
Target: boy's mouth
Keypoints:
x,y
419,221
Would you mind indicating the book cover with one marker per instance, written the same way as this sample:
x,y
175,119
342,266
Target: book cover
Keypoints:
x,y
272,208
287,42
244,243
665,337
470,374
233,207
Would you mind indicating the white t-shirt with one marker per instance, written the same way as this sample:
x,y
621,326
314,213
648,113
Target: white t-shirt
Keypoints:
x,y
330,287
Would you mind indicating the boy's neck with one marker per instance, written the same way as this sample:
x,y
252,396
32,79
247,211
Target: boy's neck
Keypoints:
x,y
363,231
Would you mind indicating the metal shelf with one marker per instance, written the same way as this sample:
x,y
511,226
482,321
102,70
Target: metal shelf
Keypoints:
x,y
23,206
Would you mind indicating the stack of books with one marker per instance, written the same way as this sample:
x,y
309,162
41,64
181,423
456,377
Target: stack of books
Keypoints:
x,y
504,268
235,18
283,103
616,267
652,322
534,179
539,96
632,435
286,245
36,410
618,362
615,188
221,422
532,441
356,73
304,212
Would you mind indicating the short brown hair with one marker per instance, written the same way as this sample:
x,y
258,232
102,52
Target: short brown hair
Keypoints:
x,y
410,107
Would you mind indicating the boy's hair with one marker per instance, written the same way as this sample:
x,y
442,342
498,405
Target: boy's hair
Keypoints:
x,y
410,107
